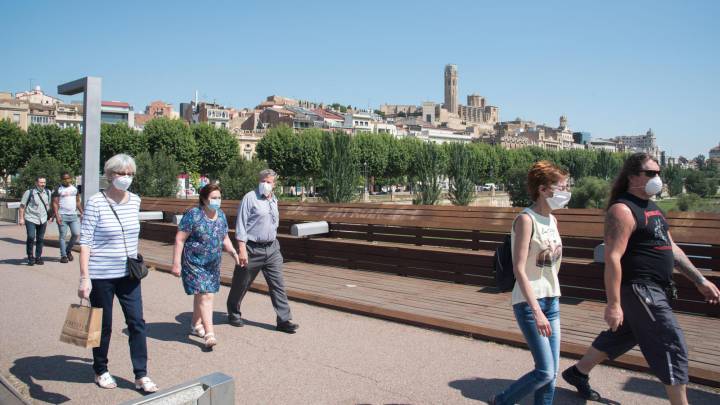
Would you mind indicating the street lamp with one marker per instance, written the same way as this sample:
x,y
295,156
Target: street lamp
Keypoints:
x,y
91,89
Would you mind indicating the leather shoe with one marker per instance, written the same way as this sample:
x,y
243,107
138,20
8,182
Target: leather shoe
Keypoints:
x,y
64,259
70,255
39,260
31,261
287,327
237,322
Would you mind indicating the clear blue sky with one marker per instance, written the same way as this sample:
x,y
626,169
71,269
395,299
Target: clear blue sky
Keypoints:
x,y
613,67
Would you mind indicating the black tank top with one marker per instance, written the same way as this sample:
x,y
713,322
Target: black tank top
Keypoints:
x,y
649,255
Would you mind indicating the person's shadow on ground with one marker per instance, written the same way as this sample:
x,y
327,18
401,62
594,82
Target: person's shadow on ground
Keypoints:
x,y
655,388
179,331
34,369
482,389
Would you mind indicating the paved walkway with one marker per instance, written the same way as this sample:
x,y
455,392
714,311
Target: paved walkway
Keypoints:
x,y
335,358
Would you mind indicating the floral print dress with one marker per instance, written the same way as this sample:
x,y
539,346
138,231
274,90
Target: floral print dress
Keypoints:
x,y
202,253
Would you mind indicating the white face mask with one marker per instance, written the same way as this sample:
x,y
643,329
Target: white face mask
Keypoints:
x,y
654,186
265,189
122,182
559,199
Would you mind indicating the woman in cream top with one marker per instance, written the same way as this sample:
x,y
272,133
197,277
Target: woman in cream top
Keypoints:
x,y
537,253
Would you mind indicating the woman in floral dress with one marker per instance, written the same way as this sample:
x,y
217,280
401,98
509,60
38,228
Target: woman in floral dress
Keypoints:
x,y
202,235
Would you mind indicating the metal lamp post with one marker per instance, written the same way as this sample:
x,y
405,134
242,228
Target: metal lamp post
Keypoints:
x,y
91,89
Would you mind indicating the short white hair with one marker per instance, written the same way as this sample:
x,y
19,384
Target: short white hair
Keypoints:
x,y
266,173
118,163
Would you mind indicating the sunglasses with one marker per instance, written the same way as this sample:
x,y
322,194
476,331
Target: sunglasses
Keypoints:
x,y
650,173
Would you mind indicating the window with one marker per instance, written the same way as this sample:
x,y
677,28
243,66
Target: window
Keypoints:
x,y
16,118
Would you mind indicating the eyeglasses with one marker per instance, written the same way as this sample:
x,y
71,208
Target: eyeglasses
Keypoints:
x,y
566,187
124,173
650,173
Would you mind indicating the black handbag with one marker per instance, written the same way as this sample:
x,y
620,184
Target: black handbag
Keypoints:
x,y
136,266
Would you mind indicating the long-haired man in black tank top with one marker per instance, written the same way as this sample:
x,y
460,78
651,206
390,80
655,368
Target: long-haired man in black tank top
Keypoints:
x,y
639,259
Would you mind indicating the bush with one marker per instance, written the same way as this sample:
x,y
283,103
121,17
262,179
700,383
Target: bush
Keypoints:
x,y
686,201
697,183
590,192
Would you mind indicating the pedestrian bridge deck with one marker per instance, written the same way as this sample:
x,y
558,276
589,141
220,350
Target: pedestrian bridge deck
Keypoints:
x,y
465,309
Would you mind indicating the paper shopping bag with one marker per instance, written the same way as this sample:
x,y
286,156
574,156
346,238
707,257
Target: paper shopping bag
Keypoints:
x,y
82,327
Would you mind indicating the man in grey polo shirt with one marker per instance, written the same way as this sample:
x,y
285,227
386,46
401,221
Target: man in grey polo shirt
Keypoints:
x,y
34,208
256,230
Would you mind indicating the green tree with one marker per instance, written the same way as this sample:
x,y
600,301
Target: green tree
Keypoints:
x,y
240,177
340,170
276,148
174,137
371,149
217,148
119,138
156,175
51,140
697,183
45,166
399,159
673,177
606,165
462,188
590,192
428,167
13,144
517,187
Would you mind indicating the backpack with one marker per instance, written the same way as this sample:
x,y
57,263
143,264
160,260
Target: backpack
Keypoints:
x,y
503,264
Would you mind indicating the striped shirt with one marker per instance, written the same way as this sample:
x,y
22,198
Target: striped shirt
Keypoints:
x,y
101,232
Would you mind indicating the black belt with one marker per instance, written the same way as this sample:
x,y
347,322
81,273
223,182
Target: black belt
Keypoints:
x,y
260,244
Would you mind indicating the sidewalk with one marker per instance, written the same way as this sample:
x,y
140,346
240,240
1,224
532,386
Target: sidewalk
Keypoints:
x,y
335,358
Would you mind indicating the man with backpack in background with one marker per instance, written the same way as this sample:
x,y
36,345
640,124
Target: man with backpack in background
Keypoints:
x,y
35,214
67,209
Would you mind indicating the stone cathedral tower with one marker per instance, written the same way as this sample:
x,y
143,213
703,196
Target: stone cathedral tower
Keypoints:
x,y
451,95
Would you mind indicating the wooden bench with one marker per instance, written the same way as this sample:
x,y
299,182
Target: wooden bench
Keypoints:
x,y
456,244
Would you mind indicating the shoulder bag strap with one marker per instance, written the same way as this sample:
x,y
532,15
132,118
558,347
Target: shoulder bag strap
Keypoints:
x,y
127,253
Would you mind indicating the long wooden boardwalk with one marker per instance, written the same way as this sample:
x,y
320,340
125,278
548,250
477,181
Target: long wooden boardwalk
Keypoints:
x,y
457,308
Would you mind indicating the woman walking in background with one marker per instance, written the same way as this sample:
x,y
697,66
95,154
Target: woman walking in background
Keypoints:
x,y
201,237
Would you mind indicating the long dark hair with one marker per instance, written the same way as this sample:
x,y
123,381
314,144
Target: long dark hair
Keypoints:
x,y
633,165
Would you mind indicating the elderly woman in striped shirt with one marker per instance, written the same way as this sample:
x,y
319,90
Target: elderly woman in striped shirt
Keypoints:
x,y
106,242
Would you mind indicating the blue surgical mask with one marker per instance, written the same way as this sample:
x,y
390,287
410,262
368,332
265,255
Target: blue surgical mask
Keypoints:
x,y
214,203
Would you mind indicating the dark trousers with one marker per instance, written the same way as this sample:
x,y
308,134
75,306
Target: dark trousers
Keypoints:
x,y
269,260
130,297
35,236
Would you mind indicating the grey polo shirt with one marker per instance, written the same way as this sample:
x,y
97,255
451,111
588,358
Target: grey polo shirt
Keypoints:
x,y
35,211
258,218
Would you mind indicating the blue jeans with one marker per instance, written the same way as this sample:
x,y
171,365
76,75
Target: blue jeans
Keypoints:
x,y
35,236
68,221
129,295
545,352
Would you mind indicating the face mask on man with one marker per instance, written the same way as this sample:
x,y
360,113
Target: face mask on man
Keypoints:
x,y
559,199
654,186
265,189
214,203
122,182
